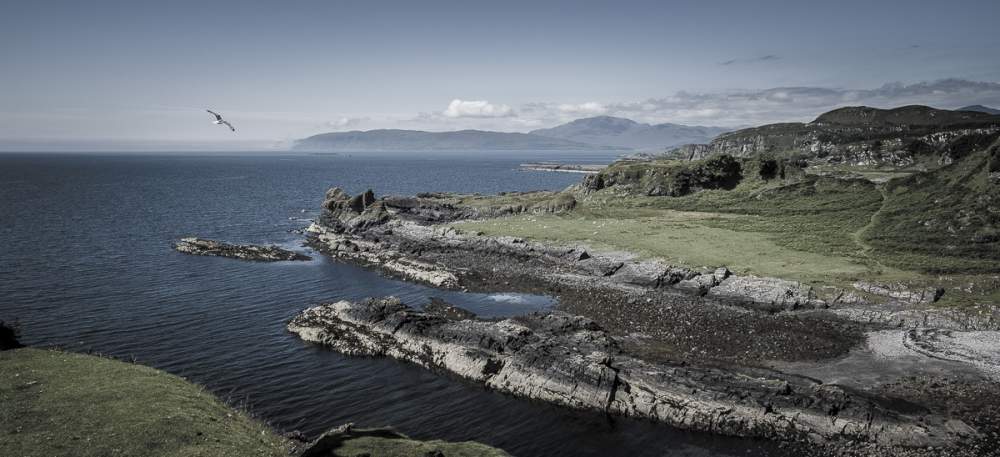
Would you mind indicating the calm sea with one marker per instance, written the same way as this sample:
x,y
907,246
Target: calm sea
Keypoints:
x,y
86,264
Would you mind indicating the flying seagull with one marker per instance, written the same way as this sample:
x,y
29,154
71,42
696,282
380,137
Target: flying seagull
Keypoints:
x,y
219,120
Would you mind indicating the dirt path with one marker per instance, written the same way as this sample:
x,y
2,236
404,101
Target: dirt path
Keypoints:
x,y
858,235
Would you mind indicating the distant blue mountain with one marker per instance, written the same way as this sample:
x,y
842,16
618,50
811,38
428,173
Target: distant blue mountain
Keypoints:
x,y
626,133
415,140
980,108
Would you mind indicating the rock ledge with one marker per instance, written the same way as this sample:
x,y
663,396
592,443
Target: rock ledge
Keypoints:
x,y
200,246
569,360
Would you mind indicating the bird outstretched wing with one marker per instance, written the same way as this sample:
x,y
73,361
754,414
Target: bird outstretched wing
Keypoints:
x,y
217,116
229,125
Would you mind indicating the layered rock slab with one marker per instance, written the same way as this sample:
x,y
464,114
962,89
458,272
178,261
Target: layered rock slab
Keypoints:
x,y
569,360
200,246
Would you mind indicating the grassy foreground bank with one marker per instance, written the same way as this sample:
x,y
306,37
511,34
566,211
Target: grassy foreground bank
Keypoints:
x,y
56,403
64,404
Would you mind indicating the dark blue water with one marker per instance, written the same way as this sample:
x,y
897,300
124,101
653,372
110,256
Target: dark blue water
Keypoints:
x,y
86,263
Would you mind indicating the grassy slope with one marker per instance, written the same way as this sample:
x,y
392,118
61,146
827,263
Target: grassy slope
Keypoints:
x,y
815,229
800,231
945,221
64,404
55,403
683,238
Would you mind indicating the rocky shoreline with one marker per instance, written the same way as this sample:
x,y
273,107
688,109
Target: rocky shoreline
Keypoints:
x,y
685,342
399,236
199,246
569,360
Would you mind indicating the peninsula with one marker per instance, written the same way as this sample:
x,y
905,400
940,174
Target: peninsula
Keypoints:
x,y
753,286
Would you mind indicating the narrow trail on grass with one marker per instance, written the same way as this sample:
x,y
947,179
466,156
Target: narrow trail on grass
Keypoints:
x,y
858,235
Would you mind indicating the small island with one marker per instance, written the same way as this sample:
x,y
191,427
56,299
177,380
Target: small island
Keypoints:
x,y
563,167
199,246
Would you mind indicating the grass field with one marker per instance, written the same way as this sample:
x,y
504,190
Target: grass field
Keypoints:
x,y
55,404
937,228
682,238
801,231
63,404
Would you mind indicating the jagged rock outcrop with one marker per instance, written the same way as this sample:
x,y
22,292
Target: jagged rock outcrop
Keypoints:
x,y
571,361
353,213
200,246
701,284
343,212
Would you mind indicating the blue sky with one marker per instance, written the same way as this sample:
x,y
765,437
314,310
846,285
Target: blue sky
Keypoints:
x,y
142,71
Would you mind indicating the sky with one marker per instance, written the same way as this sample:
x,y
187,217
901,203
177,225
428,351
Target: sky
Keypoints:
x,y
140,73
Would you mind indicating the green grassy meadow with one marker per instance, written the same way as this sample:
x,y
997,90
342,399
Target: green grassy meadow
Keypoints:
x,y
919,228
56,403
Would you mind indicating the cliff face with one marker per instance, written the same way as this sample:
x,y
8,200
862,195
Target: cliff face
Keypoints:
x,y
672,178
900,137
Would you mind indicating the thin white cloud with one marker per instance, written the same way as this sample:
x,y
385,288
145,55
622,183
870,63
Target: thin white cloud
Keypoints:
x,y
476,108
766,58
732,108
588,108
346,122
781,104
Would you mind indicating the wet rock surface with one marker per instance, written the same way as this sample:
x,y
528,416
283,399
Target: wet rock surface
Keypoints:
x,y
441,308
570,360
347,440
199,246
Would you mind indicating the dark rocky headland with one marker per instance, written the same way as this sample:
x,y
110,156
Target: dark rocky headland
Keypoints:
x,y
896,355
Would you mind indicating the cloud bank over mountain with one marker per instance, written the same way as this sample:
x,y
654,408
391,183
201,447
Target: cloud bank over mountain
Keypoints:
x,y
752,107
730,108
476,108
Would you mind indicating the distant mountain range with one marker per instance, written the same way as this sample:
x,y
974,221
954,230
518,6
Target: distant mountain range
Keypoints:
x,y
629,134
596,133
980,108
415,140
